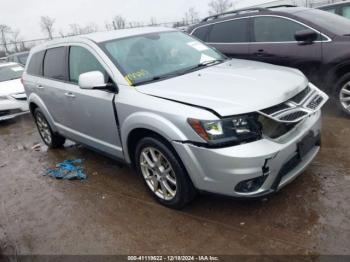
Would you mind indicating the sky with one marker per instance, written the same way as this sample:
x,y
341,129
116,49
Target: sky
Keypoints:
x,y
24,15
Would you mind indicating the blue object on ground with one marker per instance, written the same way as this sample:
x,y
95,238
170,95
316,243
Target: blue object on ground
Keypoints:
x,y
67,170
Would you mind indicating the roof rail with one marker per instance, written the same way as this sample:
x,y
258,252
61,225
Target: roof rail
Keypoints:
x,y
259,9
277,6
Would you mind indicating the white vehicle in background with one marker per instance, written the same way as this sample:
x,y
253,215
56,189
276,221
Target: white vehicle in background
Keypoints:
x,y
13,100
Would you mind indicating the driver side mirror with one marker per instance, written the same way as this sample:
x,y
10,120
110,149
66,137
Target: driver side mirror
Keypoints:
x,y
306,37
92,80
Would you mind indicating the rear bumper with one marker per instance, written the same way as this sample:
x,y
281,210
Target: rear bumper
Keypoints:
x,y
220,171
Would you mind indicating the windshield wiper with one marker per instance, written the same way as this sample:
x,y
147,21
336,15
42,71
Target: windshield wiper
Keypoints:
x,y
156,78
204,64
178,73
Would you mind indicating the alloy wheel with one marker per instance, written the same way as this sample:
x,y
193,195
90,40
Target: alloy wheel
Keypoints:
x,y
158,173
344,97
44,128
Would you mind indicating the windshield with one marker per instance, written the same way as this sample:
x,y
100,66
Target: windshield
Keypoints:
x,y
155,56
331,22
10,72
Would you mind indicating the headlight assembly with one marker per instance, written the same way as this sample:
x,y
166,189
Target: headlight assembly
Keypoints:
x,y
228,131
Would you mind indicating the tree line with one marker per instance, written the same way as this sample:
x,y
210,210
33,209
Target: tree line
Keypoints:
x,y
12,41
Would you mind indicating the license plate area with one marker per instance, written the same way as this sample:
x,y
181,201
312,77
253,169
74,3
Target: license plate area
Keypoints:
x,y
305,145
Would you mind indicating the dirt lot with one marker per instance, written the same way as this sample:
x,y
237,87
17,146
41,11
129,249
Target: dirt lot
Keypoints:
x,y
112,213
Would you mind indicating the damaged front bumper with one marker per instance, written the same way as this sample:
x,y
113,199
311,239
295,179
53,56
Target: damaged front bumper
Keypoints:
x,y
237,171
12,108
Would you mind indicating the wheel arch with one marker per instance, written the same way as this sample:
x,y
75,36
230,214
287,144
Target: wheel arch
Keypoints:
x,y
34,102
140,125
335,74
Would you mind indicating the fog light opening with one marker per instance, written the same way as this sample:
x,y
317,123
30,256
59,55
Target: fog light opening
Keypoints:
x,y
250,185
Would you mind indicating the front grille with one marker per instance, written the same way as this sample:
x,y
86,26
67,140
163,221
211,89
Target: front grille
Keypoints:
x,y
9,112
294,116
275,109
294,110
274,129
301,96
315,103
5,113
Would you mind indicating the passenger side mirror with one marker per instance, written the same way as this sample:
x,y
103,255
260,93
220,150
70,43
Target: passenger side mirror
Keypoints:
x,y
306,37
92,80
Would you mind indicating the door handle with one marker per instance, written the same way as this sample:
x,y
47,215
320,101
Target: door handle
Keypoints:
x,y
39,87
71,95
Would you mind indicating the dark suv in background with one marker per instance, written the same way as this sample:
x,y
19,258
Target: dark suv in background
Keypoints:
x,y
342,8
314,41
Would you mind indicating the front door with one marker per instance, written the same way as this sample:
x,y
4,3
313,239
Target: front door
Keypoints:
x,y
92,118
273,41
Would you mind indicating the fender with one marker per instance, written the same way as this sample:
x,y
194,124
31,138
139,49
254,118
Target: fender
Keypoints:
x,y
152,122
34,98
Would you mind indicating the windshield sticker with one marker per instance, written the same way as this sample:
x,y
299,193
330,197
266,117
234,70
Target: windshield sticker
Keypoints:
x,y
137,75
206,58
198,46
17,69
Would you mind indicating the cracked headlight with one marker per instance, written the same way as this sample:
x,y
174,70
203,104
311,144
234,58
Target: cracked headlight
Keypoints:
x,y
228,131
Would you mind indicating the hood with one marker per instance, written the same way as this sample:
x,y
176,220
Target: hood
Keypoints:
x,y
11,87
232,88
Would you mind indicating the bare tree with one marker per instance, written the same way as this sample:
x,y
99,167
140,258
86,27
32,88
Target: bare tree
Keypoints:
x,y
219,6
108,26
119,22
4,31
153,21
15,41
191,16
46,24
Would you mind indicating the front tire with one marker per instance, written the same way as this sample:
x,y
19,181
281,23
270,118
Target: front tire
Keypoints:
x,y
51,139
163,173
342,93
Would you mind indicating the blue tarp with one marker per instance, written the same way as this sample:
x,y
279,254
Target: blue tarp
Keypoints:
x,y
67,170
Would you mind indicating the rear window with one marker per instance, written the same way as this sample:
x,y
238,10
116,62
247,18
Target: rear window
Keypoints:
x,y
35,64
235,31
55,65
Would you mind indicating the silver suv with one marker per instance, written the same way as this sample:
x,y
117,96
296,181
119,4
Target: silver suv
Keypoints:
x,y
186,117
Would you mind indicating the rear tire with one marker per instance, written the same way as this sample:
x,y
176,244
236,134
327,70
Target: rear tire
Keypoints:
x,y
342,94
163,173
51,139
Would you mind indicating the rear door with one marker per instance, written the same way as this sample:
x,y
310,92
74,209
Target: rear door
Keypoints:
x,y
53,86
273,41
231,37
93,120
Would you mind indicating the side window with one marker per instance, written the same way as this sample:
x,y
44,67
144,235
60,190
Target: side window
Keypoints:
x,y
346,11
275,29
331,10
234,31
55,66
202,33
82,61
35,66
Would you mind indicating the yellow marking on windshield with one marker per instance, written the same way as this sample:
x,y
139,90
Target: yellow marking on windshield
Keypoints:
x,y
128,80
136,75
